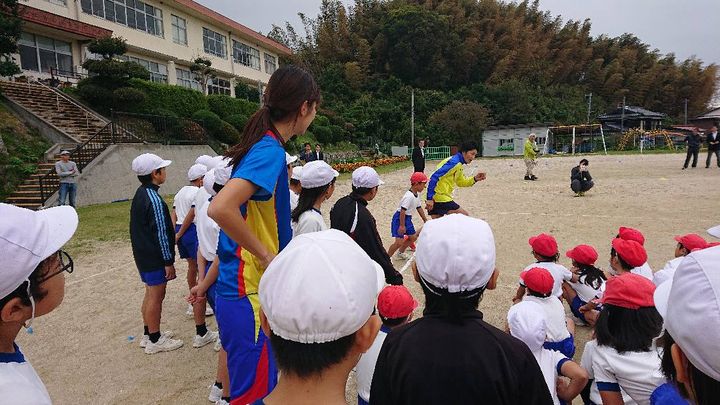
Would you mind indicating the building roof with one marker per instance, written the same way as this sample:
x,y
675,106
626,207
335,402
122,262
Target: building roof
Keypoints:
x,y
712,114
47,19
519,126
631,112
214,15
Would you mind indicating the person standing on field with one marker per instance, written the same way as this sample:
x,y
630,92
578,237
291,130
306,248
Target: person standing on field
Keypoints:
x,y
418,157
68,173
530,156
713,141
694,141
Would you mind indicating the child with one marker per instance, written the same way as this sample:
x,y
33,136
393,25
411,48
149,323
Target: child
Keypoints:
x,y
633,234
587,280
395,307
316,345
591,394
685,245
153,244
545,251
560,330
32,285
295,187
526,321
402,228
449,174
318,185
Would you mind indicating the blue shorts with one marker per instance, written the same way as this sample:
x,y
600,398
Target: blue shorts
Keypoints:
x,y
409,227
442,208
575,308
566,346
210,293
188,244
153,278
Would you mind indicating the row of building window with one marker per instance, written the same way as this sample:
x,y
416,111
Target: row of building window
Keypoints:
x,y
41,54
158,71
132,13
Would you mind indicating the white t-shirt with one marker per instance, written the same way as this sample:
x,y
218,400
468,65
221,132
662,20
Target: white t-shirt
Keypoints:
x,y
667,272
19,383
183,202
587,363
555,323
559,272
208,232
310,221
638,373
366,366
201,198
550,362
585,292
645,270
410,202
294,198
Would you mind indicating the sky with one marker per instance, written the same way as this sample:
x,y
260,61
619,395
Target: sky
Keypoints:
x,y
684,27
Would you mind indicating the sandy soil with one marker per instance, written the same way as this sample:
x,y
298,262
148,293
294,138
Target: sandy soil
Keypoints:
x,y
83,355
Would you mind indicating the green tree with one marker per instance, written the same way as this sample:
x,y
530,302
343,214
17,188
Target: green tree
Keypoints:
x,y
10,29
461,120
203,72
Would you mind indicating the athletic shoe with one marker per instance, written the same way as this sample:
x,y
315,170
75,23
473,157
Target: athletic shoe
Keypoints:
x,y
533,177
222,402
215,394
209,311
145,339
527,178
164,344
200,341
189,311
218,344
577,195
402,256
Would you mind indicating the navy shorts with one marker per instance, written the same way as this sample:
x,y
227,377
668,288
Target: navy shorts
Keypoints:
x,y
442,208
188,244
210,293
153,278
565,346
575,308
409,227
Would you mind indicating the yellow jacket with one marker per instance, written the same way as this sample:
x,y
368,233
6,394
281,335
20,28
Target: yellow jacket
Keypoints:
x,y
449,174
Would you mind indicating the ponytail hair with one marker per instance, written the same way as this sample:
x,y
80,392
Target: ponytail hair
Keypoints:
x,y
307,199
288,88
594,277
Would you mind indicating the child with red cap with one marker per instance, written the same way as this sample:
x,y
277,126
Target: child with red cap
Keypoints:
x,y
560,330
545,251
633,234
402,228
587,280
686,244
395,307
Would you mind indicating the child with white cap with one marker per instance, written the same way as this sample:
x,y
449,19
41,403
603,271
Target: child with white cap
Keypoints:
x,y
321,319
318,185
526,321
295,186
686,244
401,227
351,215
451,355
546,253
32,285
153,243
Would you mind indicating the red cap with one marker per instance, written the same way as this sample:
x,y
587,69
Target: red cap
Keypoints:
x,y
631,234
713,244
395,301
630,251
629,291
583,254
692,241
538,279
418,177
544,244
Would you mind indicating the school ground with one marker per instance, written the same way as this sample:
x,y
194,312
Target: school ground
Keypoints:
x,y
83,354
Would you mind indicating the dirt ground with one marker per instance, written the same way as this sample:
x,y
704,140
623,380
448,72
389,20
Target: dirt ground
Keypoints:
x,y
83,354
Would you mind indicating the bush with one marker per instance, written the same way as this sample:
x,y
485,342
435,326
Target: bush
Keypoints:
x,y
210,121
128,98
95,95
228,134
323,134
182,101
238,121
225,106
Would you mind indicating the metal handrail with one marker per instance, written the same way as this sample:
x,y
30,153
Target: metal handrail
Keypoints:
x,y
73,102
68,74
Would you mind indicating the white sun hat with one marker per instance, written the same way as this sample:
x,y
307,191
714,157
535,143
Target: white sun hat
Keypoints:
x,y
147,163
196,171
205,160
297,173
317,174
526,321
366,177
290,159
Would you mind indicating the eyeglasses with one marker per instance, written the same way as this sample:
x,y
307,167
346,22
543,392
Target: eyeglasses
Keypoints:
x,y
66,264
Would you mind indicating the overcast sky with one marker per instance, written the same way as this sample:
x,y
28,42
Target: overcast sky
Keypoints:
x,y
684,27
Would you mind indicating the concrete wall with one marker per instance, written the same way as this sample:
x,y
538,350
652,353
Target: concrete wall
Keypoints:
x,y
110,178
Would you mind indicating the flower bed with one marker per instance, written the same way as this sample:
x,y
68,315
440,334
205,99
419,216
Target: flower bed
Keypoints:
x,y
349,167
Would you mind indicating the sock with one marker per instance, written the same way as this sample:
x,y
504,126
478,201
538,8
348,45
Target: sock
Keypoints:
x,y
218,384
154,337
146,332
201,330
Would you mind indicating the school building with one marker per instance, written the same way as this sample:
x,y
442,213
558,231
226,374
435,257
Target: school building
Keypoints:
x,y
164,36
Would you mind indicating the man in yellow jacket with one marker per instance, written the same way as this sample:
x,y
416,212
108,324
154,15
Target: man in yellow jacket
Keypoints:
x,y
448,175
530,155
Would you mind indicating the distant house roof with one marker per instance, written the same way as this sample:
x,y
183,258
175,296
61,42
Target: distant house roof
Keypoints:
x,y
518,126
712,114
631,112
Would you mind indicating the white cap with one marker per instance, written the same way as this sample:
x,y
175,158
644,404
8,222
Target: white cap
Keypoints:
x,y
205,160
324,302
65,152
714,231
692,310
29,237
366,177
214,161
147,163
317,174
209,182
526,320
196,171
297,173
456,253
290,159
223,171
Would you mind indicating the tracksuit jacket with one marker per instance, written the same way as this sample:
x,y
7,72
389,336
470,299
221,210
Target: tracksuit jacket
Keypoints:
x,y
152,234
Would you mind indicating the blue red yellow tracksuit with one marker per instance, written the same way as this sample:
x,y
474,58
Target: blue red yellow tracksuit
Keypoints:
x,y
449,174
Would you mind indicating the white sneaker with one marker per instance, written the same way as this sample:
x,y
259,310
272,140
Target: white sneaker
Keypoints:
x,y
209,311
403,256
218,344
215,394
145,339
164,344
200,341
189,311
222,402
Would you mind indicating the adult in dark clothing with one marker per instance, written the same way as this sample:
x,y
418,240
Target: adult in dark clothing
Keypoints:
x,y
451,355
308,155
418,157
693,141
713,141
318,154
580,178
350,215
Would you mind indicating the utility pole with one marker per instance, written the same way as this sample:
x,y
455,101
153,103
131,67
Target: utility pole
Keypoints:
x,y
260,93
686,103
622,117
412,119
589,98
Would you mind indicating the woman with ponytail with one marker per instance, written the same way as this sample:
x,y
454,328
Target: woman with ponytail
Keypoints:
x,y
253,211
318,185
587,280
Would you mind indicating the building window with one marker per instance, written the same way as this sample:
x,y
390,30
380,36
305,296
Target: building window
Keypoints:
x,y
185,78
41,54
270,64
179,30
158,71
246,55
506,145
132,13
214,43
219,86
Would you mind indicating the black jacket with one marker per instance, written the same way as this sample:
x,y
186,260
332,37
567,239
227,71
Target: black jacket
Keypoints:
x,y
576,174
152,234
307,157
694,141
342,217
418,160
709,139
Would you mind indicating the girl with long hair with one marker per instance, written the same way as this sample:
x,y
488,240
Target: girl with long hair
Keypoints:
x,y
318,185
587,280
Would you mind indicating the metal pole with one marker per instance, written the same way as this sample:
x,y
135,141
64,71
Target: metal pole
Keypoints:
x,y
589,97
622,117
602,134
686,103
412,119
573,142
